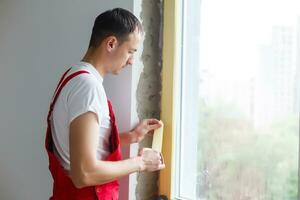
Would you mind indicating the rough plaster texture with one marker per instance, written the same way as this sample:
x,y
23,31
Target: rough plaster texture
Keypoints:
x,y
149,87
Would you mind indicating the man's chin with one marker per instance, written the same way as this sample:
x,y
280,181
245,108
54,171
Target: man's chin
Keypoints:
x,y
116,72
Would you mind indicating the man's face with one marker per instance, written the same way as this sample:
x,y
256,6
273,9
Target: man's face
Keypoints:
x,y
123,54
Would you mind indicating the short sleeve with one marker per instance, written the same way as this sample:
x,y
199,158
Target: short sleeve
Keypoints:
x,y
83,97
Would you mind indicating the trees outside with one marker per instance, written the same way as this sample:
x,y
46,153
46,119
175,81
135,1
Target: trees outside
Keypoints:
x,y
239,162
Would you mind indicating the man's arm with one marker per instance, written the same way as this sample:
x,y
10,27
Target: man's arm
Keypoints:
x,y
127,138
139,132
87,170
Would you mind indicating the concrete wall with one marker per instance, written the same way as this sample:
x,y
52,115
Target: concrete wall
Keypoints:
x,y
149,87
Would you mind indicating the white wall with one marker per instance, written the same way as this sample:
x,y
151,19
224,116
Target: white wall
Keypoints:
x,y
38,40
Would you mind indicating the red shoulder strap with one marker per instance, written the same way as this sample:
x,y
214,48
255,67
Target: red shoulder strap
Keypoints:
x,y
58,89
61,79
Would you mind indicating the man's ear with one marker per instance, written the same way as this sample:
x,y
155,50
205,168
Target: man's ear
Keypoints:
x,y
111,43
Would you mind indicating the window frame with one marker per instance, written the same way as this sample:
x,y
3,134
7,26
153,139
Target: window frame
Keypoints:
x,y
169,102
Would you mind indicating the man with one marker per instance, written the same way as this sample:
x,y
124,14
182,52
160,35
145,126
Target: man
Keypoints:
x,y
82,140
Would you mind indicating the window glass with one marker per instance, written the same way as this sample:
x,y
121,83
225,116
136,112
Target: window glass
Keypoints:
x,y
240,79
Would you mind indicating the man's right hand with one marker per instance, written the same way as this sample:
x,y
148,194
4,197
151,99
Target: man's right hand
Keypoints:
x,y
150,160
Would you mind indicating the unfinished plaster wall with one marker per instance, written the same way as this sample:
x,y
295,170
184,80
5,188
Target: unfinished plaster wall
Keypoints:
x,y
149,87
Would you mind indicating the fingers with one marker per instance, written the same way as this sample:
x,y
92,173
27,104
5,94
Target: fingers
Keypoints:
x,y
155,167
152,121
150,154
152,159
153,124
142,150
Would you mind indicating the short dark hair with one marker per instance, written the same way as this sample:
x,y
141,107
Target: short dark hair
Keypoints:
x,y
117,22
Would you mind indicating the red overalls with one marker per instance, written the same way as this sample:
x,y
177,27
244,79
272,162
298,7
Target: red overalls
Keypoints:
x,y
63,187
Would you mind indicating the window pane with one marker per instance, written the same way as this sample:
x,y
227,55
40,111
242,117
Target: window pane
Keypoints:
x,y
189,126
240,100
249,83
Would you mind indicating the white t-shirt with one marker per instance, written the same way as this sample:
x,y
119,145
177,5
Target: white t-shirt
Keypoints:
x,y
81,94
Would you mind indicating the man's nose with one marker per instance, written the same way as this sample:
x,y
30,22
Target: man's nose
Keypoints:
x,y
130,61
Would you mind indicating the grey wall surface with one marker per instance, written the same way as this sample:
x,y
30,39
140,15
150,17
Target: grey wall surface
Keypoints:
x,y
149,87
38,40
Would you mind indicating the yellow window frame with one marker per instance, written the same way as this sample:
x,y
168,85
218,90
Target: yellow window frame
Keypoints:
x,y
171,59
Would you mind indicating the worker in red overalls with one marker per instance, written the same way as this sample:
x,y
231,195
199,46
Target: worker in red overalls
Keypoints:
x,y
82,139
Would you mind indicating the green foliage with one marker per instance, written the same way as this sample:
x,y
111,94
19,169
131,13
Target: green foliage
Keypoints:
x,y
237,161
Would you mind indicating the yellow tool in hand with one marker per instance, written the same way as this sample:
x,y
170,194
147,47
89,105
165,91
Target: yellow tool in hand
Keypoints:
x,y
158,139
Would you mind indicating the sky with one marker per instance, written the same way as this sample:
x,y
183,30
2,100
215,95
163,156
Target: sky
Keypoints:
x,y
232,32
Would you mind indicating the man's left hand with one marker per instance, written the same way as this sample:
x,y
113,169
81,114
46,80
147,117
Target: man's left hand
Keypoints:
x,y
143,128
